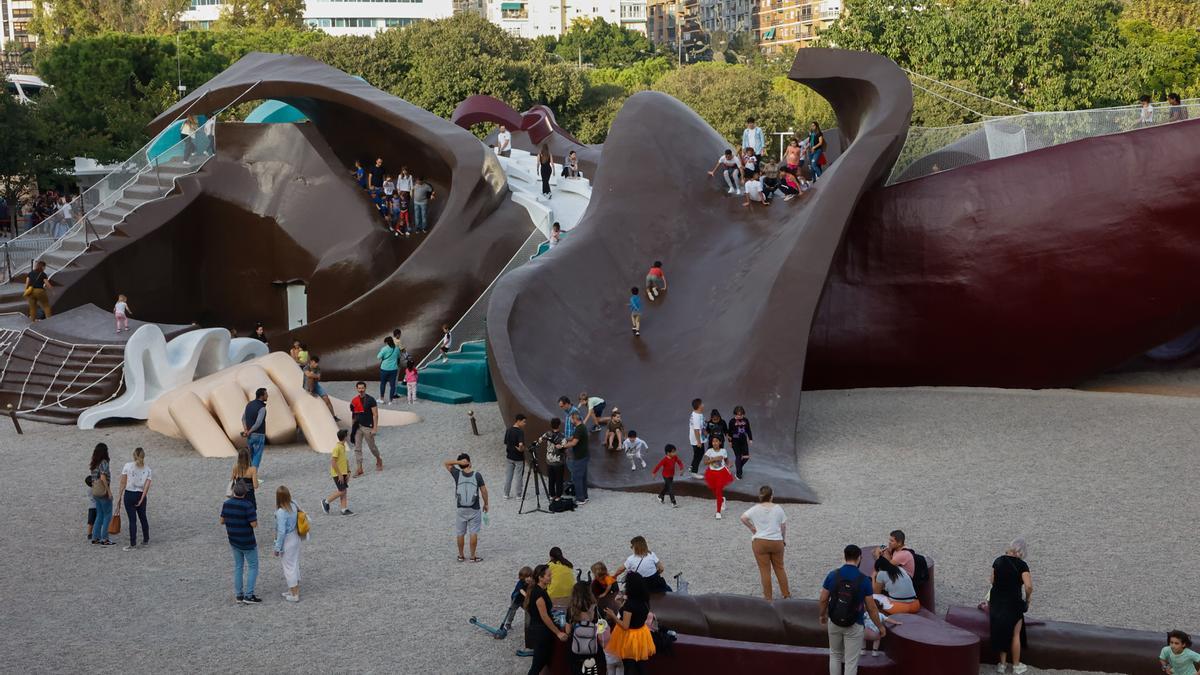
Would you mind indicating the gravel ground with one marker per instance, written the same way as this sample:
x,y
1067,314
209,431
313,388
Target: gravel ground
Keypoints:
x,y
1090,479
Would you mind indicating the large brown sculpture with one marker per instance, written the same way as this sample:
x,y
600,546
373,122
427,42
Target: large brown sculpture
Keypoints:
x,y
284,208
744,284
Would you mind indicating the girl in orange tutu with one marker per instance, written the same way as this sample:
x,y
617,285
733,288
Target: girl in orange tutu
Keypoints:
x,y
631,641
717,474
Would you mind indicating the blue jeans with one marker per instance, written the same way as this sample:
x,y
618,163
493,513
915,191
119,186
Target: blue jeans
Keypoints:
x,y
387,377
420,212
103,518
579,477
248,558
814,163
256,443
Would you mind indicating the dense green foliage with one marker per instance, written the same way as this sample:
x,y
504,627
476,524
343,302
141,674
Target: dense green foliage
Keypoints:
x,y
1036,54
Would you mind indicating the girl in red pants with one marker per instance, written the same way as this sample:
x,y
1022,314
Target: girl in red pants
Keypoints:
x,y
717,474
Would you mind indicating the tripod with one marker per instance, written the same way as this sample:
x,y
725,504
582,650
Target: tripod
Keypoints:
x,y
539,484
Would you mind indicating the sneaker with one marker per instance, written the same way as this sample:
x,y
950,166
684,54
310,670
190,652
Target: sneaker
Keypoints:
x,y
737,192
788,198
661,500
698,476
284,594
637,333
633,468
252,600
581,502
718,515
1019,668
107,543
291,598
348,512
674,505
729,191
325,506
1001,667
132,547
238,599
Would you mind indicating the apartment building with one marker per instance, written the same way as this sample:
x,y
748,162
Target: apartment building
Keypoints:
x,y
340,17
14,24
729,16
533,18
788,24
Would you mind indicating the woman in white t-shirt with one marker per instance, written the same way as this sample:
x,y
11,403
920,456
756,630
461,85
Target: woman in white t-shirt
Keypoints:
x,y
404,180
716,473
644,562
768,523
135,486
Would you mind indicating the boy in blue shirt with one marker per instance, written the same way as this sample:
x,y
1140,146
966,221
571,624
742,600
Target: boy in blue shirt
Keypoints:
x,y
635,310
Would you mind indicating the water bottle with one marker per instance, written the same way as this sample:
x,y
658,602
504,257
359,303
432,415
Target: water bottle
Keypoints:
x,y
485,518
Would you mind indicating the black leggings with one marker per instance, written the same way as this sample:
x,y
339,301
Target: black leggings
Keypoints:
x,y
632,666
543,649
131,510
741,452
546,171
556,479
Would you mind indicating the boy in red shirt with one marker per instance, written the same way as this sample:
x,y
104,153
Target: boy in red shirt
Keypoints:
x,y
668,466
656,281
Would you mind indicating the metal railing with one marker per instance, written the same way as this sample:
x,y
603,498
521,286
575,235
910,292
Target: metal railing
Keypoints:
x,y
472,326
76,218
933,150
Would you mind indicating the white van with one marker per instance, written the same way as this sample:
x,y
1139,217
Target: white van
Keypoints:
x,y
25,88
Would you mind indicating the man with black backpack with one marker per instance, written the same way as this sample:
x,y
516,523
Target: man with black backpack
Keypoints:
x,y
845,591
468,488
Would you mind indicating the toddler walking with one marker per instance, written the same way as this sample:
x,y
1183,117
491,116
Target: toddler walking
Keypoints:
x,y
121,313
633,447
444,346
410,380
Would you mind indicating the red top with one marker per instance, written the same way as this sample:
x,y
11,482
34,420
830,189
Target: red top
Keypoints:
x,y
655,272
667,466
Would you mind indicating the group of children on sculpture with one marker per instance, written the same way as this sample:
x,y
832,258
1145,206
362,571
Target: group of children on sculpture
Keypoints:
x,y
402,200
759,178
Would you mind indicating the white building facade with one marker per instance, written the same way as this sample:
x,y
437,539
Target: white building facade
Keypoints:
x,y
338,17
14,24
534,18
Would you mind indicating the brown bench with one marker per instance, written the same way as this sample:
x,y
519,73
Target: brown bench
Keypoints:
x,y
1074,646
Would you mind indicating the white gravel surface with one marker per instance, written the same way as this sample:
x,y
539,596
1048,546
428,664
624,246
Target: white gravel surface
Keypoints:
x,y
1102,485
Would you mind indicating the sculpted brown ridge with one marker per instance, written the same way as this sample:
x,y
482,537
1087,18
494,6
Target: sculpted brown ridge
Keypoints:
x,y
744,284
476,228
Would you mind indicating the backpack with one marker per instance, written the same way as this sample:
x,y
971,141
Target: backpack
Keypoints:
x,y
585,639
560,505
302,523
843,602
466,489
920,568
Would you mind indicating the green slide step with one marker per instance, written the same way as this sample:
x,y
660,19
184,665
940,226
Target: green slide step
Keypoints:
x,y
464,372
431,393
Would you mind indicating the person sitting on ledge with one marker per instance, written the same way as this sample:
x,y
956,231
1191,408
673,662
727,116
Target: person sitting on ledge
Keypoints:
x,y
896,552
571,166
894,591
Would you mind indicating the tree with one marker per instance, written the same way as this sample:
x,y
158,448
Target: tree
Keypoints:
x,y
20,149
63,20
724,95
262,14
602,44
1164,14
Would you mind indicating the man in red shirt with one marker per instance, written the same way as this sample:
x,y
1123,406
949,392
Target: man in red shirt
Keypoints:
x,y
366,420
668,466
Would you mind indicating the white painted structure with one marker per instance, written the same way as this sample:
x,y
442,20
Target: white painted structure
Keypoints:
x,y
154,366
342,18
533,18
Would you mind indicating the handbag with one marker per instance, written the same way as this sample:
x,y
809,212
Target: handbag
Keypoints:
x,y
114,525
28,292
98,488
302,523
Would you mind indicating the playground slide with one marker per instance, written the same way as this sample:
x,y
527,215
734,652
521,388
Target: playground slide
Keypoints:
x,y
744,281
